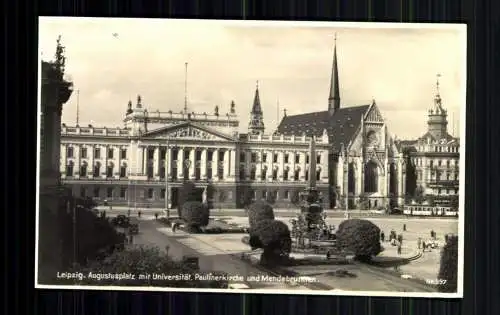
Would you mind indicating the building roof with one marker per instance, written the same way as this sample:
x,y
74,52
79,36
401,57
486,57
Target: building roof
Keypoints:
x,y
341,126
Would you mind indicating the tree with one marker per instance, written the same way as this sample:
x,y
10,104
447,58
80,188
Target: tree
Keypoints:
x,y
195,214
186,193
142,260
448,268
360,237
246,197
274,238
210,196
259,211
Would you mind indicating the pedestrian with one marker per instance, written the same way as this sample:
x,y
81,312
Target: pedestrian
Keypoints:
x,y
404,227
139,213
382,236
432,233
419,243
399,249
156,215
128,213
423,247
328,255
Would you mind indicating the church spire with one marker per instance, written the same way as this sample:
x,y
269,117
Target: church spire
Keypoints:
x,y
256,124
334,97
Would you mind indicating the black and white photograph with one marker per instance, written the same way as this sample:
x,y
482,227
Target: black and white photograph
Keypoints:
x,y
319,158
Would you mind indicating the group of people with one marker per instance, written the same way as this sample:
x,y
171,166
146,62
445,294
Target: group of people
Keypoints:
x,y
397,240
394,240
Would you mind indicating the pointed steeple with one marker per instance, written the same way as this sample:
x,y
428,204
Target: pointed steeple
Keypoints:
x,y
129,107
334,96
256,124
437,124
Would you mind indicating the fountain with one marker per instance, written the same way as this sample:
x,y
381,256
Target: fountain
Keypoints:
x,y
311,224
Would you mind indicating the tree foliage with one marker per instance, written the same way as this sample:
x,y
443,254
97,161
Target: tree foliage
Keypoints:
x,y
141,260
360,237
448,269
419,195
195,214
295,198
274,238
259,211
187,192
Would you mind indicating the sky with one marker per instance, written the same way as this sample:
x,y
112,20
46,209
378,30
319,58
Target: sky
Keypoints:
x,y
113,60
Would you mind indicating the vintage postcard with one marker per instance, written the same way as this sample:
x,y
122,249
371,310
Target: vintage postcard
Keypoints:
x,y
251,156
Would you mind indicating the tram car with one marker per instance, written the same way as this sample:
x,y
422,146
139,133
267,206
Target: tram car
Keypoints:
x,y
427,210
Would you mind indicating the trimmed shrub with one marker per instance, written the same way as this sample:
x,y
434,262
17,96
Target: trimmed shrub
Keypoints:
x,y
259,211
274,237
359,237
195,214
448,269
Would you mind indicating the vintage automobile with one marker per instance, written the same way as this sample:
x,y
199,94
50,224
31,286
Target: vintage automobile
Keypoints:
x,y
121,221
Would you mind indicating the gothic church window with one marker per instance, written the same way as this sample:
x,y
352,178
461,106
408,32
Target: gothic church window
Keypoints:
x,y
371,177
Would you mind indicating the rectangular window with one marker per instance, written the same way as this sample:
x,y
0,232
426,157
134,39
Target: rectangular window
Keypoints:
x,y
83,153
123,154
70,152
275,158
264,157
110,153
242,157
109,192
150,193
123,192
318,159
286,158
97,191
297,158
307,159
254,157
264,194
151,154
287,195
162,193
97,153
109,171
210,155
123,172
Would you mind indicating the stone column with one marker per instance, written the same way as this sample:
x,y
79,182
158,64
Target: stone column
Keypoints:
x,y
233,166
180,163
117,160
325,167
78,161
203,164
63,162
258,166
226,164
144,161
270,165
281,165
90,152
156,162
303,167
358,178
215,165
169,162
192,164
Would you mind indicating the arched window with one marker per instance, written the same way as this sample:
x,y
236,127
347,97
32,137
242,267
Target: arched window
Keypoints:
x,y
252,173
96,172
393,179
296,174
123,170
109,170
371,177
83,169
69,169
351,178
275,174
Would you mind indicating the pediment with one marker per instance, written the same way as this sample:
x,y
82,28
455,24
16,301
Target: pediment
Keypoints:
x,y
374,115
187,131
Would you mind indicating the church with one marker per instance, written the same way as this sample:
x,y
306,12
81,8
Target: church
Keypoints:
x,y
144,163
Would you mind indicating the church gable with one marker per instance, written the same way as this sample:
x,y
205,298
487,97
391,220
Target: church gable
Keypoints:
x,y
187,131
373,115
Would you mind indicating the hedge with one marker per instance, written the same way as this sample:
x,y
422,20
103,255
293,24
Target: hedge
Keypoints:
x,y
359,237
448,269
195,214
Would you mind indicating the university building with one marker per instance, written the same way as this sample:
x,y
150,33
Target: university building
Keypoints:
x,y
146,161
434,159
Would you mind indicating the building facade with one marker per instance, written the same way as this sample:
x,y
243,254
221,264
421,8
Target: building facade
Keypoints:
x,y
146,161
434,160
